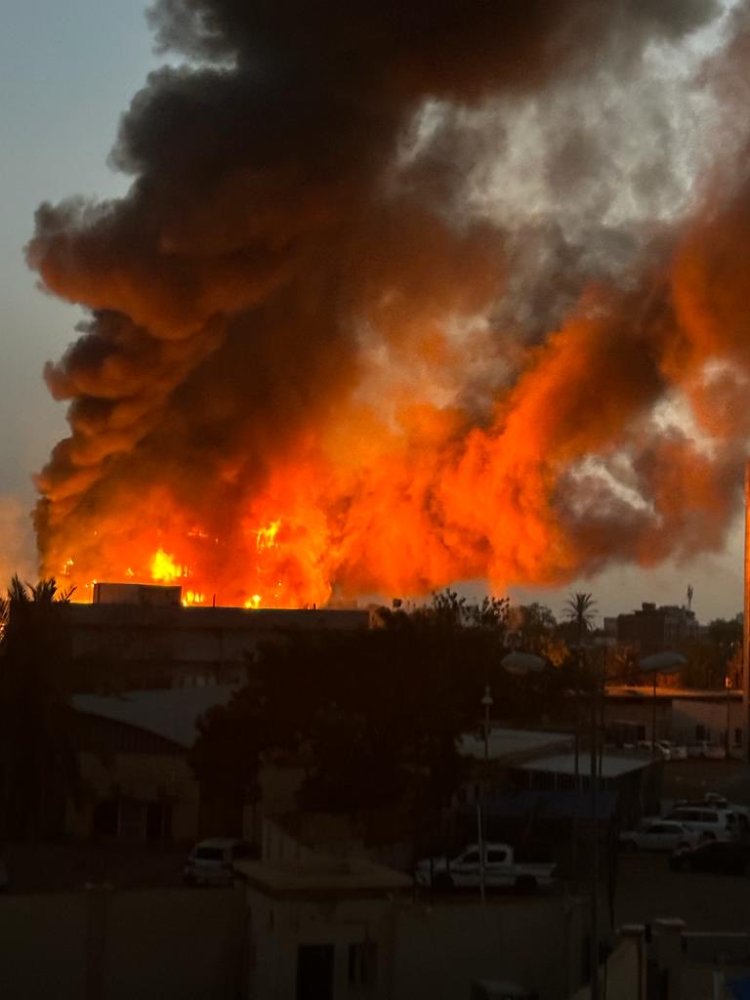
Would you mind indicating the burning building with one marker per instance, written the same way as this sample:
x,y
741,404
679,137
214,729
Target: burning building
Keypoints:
x,y
407,293
146,634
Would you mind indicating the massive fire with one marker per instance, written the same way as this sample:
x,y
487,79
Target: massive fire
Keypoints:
x,y
401,297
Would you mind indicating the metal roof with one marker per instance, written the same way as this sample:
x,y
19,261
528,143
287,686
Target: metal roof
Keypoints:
x,y
510,743
612,765
171,714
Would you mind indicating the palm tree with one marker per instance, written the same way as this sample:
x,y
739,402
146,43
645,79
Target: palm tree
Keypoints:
x,y
37,763
580,608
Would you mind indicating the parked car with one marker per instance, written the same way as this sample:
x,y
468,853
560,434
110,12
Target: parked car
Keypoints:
x,y
211,862
709,751
712,823
501,870
657,834
662,750
716,801
722,857
675,751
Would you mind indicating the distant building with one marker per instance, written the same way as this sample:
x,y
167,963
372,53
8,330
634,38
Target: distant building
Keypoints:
x,y
164,644
652,629
682,715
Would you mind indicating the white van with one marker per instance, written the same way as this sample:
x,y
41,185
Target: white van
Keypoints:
x,y
711,823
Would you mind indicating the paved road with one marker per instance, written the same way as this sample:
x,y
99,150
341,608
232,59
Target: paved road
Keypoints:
x,y
647,888
60,867
692,778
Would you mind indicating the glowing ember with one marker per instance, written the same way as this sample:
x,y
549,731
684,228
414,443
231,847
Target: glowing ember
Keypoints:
x,y
253,602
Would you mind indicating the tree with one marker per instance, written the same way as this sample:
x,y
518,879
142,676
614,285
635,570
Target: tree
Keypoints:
x,y
37,759
580,609
372,713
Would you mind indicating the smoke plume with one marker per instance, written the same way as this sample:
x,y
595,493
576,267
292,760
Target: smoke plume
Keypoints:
x,y
407,293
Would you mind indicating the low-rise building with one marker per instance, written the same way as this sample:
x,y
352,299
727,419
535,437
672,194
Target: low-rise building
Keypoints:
x,y
682,715
146,633
339,929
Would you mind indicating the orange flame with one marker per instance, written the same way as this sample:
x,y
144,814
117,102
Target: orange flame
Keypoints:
x,y
163,568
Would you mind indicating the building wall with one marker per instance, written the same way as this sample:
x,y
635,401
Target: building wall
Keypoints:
x,y
279,927
140,778
691,716
433,949
189,645
630,719
171,944
540,943
678,719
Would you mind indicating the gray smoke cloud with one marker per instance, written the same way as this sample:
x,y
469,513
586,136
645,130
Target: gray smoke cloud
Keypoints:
x,y
484,208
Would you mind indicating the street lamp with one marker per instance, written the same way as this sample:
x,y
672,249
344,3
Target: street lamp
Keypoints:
x,y
520,664
656,664
487,703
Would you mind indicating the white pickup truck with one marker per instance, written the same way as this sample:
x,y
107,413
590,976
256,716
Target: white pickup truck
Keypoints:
x,y
501,870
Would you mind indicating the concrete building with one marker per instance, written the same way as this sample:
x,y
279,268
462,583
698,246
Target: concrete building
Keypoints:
x,y
132,753
666,961
147,633
682,715
652,629
137,782
334,929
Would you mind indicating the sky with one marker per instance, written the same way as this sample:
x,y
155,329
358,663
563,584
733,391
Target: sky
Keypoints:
x,y
67,72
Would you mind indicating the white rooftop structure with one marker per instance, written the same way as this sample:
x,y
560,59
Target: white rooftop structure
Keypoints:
x,y
171,713
510,744
320,874
612,765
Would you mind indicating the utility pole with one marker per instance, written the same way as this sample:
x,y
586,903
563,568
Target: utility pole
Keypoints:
x,y
746,624
594,789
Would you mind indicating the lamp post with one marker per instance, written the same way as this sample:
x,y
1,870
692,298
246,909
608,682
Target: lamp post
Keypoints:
x,y
487,702
519,663
655,664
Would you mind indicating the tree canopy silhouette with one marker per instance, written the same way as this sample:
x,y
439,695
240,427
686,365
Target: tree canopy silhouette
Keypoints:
x,y
372,714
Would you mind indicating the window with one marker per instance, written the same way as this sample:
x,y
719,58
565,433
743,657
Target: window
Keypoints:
x,y
209,854
701,733
314,972
363,961
470,858
641,733
243,850
496,857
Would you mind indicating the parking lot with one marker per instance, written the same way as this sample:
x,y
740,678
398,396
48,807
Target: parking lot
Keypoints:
x,y
647,888
691,779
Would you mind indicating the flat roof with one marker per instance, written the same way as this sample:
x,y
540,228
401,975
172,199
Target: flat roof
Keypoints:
x,y
625,691
510,743
322,876
612,765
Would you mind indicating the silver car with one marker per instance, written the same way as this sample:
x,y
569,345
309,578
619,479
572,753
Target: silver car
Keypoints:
x,y
658,835
211,862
